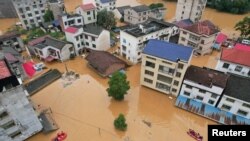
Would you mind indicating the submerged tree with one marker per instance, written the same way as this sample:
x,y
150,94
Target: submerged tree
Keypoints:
x,y
118,86
244,27
48,16
106,19
120,123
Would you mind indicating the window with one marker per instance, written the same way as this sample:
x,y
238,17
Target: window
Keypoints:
x,y
166,70
87,43
149,73
27,9
162,86
238,68
226,65
148,80
65,23
77,38
178,74
38,18
82,43
20,10
174,90
78,45
36,12
189,87
180,66
34,6
214,96
86,37
139,53
40,52
176,83
94,46
88,13
225,107
202,42
202,91
184,32
41,5
183,39
31,21
248,73
246,105
199,97
230,100
124,41
164,79
30,15
186,93
93,38
23,16
79,20
150,64
89,18
241,112
81,36
43,11
210,101
150,58
25,21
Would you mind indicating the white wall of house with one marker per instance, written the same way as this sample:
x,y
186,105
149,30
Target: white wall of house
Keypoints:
x,y
89,16
110,6
152,81
66,52
206,95
78,20
78,44
95,42
233,68
234,105
134,45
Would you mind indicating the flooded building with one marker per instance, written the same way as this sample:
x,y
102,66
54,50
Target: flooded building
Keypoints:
x,y
158,13
136,14
119,11
88,12
48,49
57,7
200,36
67,20
203,85
105,63
30,12
18,120
236,98
234,60
164,65
7,9
190,9
13,40
89,36
109,5
134,38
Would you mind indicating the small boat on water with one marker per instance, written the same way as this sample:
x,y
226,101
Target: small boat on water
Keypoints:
x,y
194,135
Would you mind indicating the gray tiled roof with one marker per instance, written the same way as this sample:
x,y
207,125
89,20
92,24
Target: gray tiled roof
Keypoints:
x,y
93,29
141,8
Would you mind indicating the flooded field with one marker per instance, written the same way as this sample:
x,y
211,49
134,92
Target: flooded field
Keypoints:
x,y
84,110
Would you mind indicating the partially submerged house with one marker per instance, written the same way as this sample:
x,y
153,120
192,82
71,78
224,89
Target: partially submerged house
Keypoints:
x,y
105,63
48,49
13,40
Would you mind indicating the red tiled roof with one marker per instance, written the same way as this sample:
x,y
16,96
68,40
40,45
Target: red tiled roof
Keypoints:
x,y
87,7
236,56
242,47
4,71
203,28
221,38
71,29
37,40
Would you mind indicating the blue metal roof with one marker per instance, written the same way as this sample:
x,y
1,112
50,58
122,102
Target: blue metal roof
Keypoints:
x,y
167,50
105,1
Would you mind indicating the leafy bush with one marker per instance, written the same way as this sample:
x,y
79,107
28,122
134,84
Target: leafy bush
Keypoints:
x,y
120,123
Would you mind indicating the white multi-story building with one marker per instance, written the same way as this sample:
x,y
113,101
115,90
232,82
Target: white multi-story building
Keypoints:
x,y
203,85
137,14
190,9
164,65
67,20
57,7
88,37
30,12
133,39
88,12
236,98
235,61
200,36
109,5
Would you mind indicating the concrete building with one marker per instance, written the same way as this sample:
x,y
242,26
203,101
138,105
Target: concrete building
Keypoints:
x,y
164,65
18,120
67,20
158,13
236,98
235,61
48,49
119,11
190,9
88,12
134,38
13,40
7,9
30,12
57,7
109,5
203,85
136,14
200,36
